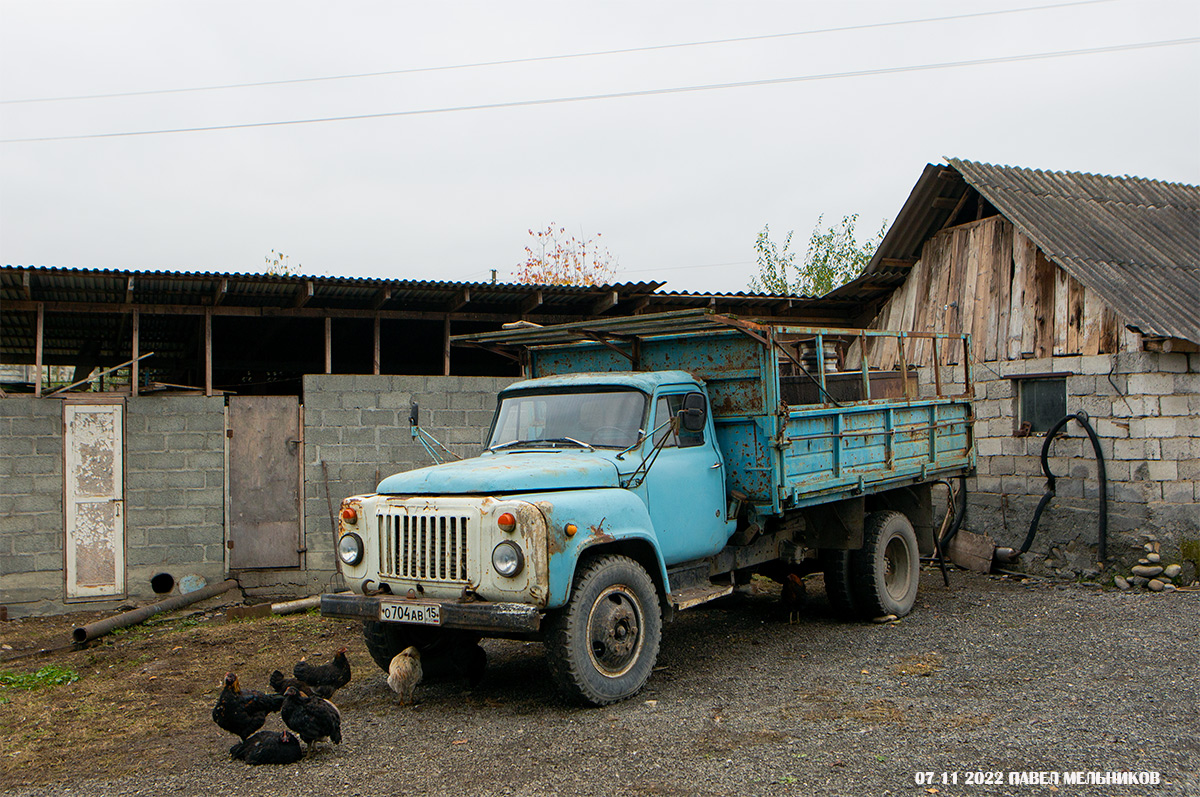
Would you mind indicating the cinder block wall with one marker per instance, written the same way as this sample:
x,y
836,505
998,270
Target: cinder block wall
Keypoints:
x,y
1145,409
31,509
174,489
355,433
174,498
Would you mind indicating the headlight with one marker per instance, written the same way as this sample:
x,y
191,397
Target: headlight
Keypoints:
x,y
350,549
508,559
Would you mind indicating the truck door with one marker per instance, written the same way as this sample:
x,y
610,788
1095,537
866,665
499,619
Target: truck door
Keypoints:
x,y
685,488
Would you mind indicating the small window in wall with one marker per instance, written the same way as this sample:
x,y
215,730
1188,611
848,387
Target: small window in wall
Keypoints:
x,y
1042,402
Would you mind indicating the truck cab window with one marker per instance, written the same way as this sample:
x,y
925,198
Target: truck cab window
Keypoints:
x,y
667,407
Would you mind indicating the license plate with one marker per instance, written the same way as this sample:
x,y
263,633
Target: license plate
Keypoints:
x,y
408,612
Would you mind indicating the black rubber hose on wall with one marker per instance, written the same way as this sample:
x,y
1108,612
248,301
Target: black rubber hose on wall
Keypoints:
x,y
1102,476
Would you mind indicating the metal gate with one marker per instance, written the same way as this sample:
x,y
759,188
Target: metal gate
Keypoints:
x,y
94,500
264,482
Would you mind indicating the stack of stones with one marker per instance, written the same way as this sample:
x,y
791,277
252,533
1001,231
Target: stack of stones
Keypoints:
x,y
1151,573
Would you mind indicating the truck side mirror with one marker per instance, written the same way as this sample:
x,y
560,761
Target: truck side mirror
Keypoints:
x,y
413,412
694,412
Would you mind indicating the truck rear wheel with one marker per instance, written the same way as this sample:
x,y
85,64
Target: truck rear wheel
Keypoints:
x,y
885,573
443,652
603,644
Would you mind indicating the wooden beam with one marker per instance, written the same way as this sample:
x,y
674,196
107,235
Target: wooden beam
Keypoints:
x,y
381,298
129,292
27,285
208,382
460,301
37,356
897,262
961,201
375,359
606,302
446,346
222,290
133,367
532,302
945,202
305,294
328,344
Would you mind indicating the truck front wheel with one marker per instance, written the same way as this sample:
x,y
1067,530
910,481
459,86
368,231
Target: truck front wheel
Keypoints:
x,y
603,644
443,651
884,574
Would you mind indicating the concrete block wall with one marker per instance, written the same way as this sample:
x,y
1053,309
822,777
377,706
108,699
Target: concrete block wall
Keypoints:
x,y
31,505
1145,409
174,489
356,432
174,498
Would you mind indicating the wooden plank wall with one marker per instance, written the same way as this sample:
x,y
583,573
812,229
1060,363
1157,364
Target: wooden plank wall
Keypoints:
x,y
987,279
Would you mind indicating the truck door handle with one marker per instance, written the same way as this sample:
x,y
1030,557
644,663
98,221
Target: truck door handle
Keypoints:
x,y
715,465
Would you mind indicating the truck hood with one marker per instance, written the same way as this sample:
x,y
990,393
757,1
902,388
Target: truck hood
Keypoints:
x,y
518,472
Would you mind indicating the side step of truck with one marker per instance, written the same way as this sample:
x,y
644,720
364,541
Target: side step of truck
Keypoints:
x,y
694,596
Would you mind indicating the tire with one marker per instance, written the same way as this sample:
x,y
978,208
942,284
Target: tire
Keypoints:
x,y
603,644
443,652
835,563
885,573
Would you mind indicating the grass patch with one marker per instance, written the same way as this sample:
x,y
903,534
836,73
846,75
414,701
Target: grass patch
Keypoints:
x,y
50,675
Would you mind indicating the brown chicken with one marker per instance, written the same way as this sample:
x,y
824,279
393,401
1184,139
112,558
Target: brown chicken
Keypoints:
x,y
792,596
280,683
312,718
242,712
404,673
269,747
335,674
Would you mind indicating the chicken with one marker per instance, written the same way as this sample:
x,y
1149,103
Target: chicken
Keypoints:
x,y
243,712
312,718
792,596
404,673
335,674
280,683
269,747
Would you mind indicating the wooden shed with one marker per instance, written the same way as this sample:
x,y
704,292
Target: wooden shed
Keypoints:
x,y
1080,292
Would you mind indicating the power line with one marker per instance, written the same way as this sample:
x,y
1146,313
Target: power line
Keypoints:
x,y
538,59
1008,59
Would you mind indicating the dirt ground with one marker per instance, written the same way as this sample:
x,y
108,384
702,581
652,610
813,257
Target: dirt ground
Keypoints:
x,y
990,675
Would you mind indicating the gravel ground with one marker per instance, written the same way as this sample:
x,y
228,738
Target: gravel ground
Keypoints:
x,y
990,676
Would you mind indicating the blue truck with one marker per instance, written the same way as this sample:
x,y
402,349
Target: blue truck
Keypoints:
x,y
649,464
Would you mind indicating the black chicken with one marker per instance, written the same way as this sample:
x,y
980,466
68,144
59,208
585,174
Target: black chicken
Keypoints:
x,y
243,712
335,674
269,747
280,683
312,718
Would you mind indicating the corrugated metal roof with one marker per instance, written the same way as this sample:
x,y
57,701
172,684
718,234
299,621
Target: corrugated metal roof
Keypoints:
x,y
1136,242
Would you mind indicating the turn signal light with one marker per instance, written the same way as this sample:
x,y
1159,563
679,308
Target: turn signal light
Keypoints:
x,y
349,514
507,522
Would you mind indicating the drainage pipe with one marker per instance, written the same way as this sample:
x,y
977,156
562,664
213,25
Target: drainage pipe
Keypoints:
x,y
101,627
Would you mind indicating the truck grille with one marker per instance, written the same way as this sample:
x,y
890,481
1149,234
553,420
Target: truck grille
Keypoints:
x,y
429,546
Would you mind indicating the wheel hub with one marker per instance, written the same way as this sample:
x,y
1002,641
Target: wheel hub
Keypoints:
x,y
614,631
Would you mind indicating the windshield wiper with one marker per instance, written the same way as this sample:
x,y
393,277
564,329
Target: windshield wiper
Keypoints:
x,y
549,440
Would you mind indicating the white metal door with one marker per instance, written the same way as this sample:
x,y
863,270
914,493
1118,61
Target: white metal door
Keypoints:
x,y
94,500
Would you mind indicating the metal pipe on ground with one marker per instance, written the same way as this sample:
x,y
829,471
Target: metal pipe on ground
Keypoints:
x,y
301,605
101,627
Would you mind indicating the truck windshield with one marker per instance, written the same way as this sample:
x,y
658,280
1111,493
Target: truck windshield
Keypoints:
x,y
609,419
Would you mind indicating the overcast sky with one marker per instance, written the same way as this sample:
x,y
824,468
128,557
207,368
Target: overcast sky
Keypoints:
x,y
678,183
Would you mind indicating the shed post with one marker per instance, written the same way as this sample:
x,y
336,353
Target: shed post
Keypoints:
x,y
37,358
133,368
375,359
328,344
208,382
446,345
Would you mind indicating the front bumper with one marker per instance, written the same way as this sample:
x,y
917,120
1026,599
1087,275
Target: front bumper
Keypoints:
x,y
482,616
